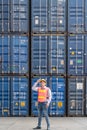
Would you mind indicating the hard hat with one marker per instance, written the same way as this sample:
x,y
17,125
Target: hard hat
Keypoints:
x,y
43,80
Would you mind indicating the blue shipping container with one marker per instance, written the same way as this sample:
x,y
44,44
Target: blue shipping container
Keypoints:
x,y
76,96
86,96
4,54
48,54
76,53
39,15
19,54
14,16
58,87
20,16
76,15
4,16
57,15
85,55
19,96
57,56
86,15
39,54
5,96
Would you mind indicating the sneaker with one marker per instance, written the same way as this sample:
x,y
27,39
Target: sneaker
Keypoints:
x,y
48,128
38,127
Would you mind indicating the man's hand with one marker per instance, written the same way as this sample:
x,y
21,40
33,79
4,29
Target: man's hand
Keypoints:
x,y
38,80
47,105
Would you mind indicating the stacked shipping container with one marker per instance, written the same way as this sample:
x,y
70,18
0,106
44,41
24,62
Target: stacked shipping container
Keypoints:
x,y
14,29
58,50
48,51
76,65
55,53
48,16
57,85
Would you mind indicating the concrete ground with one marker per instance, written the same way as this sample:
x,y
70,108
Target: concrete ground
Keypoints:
x,y
57,123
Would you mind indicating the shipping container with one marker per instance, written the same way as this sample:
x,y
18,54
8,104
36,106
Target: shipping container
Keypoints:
x,y
5,96
20,16
76,15
4,16
57,54
39,55
86,97
76,96
58,87
4,54
85,55
57,105
19,96
34,95
39,15
85,15
76,53
19,54
57,15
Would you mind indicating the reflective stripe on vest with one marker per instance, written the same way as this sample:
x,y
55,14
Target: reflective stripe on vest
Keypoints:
x,y
42,94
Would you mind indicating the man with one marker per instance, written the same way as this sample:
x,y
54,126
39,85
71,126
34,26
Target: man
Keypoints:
x,y
44,99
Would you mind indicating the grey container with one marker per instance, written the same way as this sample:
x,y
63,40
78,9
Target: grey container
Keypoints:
x,y
76,16
76,96
86,97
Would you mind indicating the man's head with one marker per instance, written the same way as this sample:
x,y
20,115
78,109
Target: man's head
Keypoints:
x,y
43,82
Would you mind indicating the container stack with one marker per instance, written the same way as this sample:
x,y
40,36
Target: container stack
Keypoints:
x,y
14,44
77,57
43,39
48,51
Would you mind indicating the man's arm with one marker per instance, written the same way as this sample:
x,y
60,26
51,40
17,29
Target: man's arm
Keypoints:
x,y
34,87
49,97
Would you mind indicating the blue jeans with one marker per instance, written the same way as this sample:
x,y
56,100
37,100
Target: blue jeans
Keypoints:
x,y
43,109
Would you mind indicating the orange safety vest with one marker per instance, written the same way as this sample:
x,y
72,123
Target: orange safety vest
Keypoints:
x,y
42,94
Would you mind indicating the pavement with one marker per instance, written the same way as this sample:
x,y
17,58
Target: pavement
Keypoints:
x,y
57,123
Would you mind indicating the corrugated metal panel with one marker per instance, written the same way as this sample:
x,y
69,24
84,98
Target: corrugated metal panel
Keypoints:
x,y
57,50
14,16
57,86
76,16
4,54
19,15
39,54
57,106
76,54
4,96
19,54
86,97
85,55
76,96
19,96
4,16
39,15
86,15
34,103
57,15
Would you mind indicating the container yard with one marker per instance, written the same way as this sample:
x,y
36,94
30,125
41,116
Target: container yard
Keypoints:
x,y
43,39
